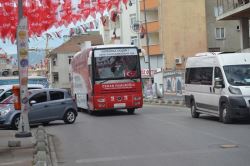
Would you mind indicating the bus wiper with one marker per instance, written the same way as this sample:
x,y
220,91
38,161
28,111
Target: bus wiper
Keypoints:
x,y
104,81
133,79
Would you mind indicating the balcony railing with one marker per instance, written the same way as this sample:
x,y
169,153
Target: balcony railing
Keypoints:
x,y
153,49
153,26
224,6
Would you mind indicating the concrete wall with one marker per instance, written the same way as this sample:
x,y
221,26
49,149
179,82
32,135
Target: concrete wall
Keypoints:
x,y
183,29
232,35
155,62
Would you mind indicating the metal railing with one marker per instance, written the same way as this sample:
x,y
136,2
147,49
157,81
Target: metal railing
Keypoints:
x,y
224,6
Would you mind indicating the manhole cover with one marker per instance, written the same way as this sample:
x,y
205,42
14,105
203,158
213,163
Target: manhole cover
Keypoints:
x,y
228,146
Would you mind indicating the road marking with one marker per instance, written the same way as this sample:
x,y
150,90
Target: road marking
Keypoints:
x,y
229,146
120,158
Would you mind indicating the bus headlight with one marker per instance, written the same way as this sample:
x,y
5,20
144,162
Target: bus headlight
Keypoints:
x,y
235,91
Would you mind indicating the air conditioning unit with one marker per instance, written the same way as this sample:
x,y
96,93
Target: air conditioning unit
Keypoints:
x,y
178,61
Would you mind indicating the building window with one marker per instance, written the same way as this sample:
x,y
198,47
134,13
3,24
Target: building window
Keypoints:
x,y
55,77
220,33
134,40
54,60
70,58
70,78
132,19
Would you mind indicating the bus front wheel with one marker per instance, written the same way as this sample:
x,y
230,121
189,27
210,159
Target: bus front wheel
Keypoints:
x,y
131,111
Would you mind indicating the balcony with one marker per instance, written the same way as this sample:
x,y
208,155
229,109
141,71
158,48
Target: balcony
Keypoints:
x,y
233,9
153,26
149,4
153,49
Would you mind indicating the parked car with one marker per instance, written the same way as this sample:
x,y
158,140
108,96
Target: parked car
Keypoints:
x,y
45,105
6,90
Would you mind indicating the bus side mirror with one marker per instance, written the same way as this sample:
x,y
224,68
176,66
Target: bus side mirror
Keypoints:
x,y
218,83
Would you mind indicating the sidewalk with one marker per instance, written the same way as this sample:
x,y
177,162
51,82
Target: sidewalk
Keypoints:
x,y
13,156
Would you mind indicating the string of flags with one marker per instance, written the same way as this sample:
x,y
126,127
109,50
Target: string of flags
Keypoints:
x,y
43,14
77,30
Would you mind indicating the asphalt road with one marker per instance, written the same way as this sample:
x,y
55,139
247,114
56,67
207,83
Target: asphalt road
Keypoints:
x,y
154,136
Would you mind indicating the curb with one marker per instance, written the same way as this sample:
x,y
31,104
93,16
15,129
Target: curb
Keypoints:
x,y
44,149
165,102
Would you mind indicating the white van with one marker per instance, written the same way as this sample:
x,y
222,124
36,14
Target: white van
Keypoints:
x,y
6,90
218,84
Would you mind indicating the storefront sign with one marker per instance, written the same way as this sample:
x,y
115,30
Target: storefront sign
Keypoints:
x,y
145,72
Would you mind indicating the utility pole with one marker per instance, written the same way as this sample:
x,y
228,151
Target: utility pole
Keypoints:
x,y
147,43
22,51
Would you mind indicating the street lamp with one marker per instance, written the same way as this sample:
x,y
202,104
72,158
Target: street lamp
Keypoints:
x,y
147,42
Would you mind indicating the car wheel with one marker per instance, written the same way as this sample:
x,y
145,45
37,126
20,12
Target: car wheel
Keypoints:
x,y
225,114
131,111
194,114
15,122
69,117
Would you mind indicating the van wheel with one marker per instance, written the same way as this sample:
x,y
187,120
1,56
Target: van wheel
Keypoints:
x,y
69,117
15,122
194,114
225,114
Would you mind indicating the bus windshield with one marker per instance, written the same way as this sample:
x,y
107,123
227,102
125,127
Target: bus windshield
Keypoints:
x,y
238,75
117,67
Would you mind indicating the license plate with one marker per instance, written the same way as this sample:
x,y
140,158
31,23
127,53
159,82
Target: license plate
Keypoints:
x,y
119,105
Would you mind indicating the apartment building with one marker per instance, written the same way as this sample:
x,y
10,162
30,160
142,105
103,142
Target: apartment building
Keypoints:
x,y
237,10
60,58
183,30
150,33
222,36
